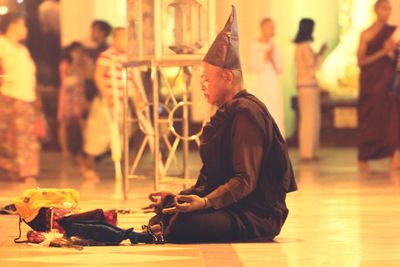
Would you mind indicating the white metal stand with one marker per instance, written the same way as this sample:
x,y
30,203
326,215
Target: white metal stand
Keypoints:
x,y
152,132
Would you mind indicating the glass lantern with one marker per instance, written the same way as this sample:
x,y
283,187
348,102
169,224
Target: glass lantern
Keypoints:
x,y
170,29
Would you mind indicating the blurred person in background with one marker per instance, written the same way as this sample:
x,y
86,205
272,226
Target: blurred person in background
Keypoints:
x,y
266,63
378,110
307,64
72,104
94,47
21,118
103,129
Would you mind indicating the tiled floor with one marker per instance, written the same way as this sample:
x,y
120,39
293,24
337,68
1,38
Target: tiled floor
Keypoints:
x,y
339,217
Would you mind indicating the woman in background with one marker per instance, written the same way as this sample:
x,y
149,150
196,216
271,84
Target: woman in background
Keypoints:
x,y
72,103
19,104
266,63
307,64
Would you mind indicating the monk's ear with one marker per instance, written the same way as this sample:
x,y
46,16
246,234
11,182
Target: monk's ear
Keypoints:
x,y
227,76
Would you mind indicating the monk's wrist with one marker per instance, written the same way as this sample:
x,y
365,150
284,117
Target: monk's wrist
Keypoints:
x,y
206,203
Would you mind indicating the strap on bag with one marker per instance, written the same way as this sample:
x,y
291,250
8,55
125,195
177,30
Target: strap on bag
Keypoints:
x,y
18,240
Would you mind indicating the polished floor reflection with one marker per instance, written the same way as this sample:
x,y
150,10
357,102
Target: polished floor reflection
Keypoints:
x,y
339,217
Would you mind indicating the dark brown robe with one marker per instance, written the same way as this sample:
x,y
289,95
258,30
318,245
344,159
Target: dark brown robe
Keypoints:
x,y
378,110
246,174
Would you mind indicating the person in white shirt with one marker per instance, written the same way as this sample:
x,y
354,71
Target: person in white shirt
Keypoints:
x,y
266,64
19,146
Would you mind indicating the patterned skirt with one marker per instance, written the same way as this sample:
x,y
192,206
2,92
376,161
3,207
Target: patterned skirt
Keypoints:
x,y
71,103
19,146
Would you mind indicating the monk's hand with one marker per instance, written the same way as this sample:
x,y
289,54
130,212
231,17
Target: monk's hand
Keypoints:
x,y
389,46
157,199
189,203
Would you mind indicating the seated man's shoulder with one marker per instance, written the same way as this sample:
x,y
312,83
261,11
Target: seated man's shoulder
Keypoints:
x,y
250,107
247,101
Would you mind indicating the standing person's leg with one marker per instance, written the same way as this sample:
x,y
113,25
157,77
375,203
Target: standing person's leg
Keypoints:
x,y
62,138
394,161
28,147
8,137
363,115
306,132
96,138
316,105
87,168
201,226
63,112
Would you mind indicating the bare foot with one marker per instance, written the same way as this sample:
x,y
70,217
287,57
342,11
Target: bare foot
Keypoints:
x,y
306,160
89,185
90,175
31,182
363,166
394,165
394,161
66,155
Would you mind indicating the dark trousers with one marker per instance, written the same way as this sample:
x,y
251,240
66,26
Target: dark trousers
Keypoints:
x,y
206,226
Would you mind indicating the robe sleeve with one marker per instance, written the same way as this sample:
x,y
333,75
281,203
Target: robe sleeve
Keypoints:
x,y
247,142
187,191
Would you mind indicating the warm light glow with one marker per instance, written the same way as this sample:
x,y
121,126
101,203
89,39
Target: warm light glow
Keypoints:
x,y
339,73
3,10
20,1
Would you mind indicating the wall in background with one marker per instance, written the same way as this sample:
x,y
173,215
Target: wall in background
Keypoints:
x,y
395,19
77,16
75,19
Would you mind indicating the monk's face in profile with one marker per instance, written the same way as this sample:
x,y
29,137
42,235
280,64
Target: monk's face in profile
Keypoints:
x,y
383,9
216,83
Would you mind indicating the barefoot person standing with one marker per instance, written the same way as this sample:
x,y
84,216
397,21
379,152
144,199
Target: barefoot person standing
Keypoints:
x,y
378,110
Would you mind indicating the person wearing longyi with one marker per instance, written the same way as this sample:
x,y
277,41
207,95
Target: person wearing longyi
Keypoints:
x,y
246,172
20,104
378,138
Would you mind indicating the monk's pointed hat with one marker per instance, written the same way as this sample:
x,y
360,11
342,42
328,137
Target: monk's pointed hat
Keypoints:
x,y
224,52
